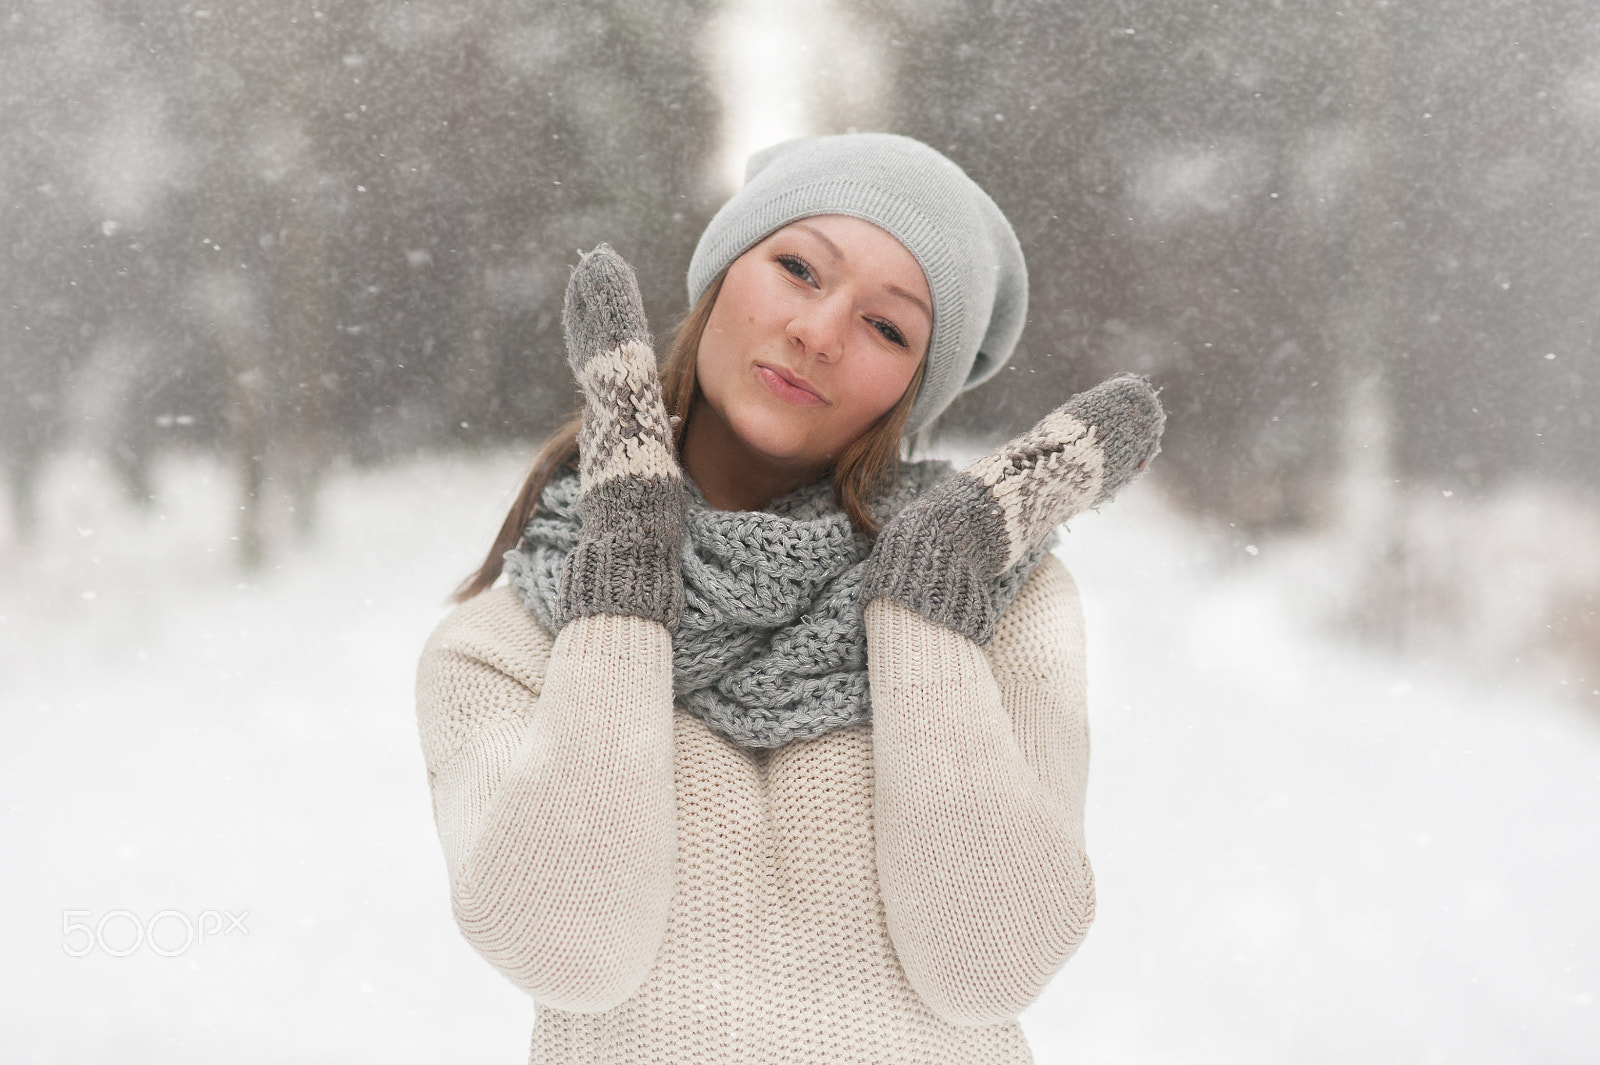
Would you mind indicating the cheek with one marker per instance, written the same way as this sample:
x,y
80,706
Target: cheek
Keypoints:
x,y
746,301
735,324
881,383
719,345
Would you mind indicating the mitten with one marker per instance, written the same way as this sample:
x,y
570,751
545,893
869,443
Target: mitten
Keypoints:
x,y
939,555
632,498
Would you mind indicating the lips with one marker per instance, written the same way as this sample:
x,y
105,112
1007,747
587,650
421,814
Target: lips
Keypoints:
x,y
788,385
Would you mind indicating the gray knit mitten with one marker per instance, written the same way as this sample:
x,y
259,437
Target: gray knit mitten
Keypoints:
x,y
632,496
939,555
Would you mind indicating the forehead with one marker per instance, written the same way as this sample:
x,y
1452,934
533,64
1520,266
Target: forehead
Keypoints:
x,y
849,237
846,231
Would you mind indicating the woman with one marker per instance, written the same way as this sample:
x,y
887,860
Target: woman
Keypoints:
x,y
773,747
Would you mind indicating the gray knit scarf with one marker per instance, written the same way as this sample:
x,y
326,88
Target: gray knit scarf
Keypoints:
x,y
771,646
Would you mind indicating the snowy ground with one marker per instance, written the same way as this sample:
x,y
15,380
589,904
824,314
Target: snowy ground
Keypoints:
x,y
1305,852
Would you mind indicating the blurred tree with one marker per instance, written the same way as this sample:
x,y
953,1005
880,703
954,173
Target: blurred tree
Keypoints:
x,y
1309,223
302,229
296,231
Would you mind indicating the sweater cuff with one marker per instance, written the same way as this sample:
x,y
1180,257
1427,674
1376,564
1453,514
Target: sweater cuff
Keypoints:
x,y
627,561
929,575
621,574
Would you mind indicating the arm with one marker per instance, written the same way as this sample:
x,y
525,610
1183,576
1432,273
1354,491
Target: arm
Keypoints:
x,y
553,794
980,757
558,814
980,763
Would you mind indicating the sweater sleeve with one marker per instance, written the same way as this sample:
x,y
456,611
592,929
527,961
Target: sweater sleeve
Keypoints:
x,y
551,769
980,763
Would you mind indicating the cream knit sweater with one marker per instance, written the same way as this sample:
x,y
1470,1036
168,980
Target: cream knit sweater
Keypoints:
x,y
892,892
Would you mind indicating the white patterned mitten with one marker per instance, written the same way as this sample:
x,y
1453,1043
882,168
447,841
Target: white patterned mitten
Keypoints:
x,y
632,496
939,555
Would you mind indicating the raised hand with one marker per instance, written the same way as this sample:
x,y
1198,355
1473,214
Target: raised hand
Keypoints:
x,y
939,555
633,500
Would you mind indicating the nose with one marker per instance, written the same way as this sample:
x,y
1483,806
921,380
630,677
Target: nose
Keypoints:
x,y
818,329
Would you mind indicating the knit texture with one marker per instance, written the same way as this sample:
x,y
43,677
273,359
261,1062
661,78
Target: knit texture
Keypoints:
x,y
770,647
892,894
939,553
968,252
632,495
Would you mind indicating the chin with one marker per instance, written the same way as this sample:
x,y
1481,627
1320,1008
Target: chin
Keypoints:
x,y
779,440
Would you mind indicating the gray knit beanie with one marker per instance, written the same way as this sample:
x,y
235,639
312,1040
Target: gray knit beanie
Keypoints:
x,y
966,248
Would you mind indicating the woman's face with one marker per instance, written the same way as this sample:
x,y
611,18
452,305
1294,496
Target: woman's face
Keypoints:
x,y
816,333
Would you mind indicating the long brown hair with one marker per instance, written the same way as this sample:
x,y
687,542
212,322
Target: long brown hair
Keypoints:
x,y
857,475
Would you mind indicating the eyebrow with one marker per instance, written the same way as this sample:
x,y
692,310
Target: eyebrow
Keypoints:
x,y
895,290
903,294
833,249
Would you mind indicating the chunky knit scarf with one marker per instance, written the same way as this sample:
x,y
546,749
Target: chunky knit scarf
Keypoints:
x,y
771,646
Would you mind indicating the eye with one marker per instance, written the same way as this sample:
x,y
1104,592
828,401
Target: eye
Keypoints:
x,y
890,332
796,266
